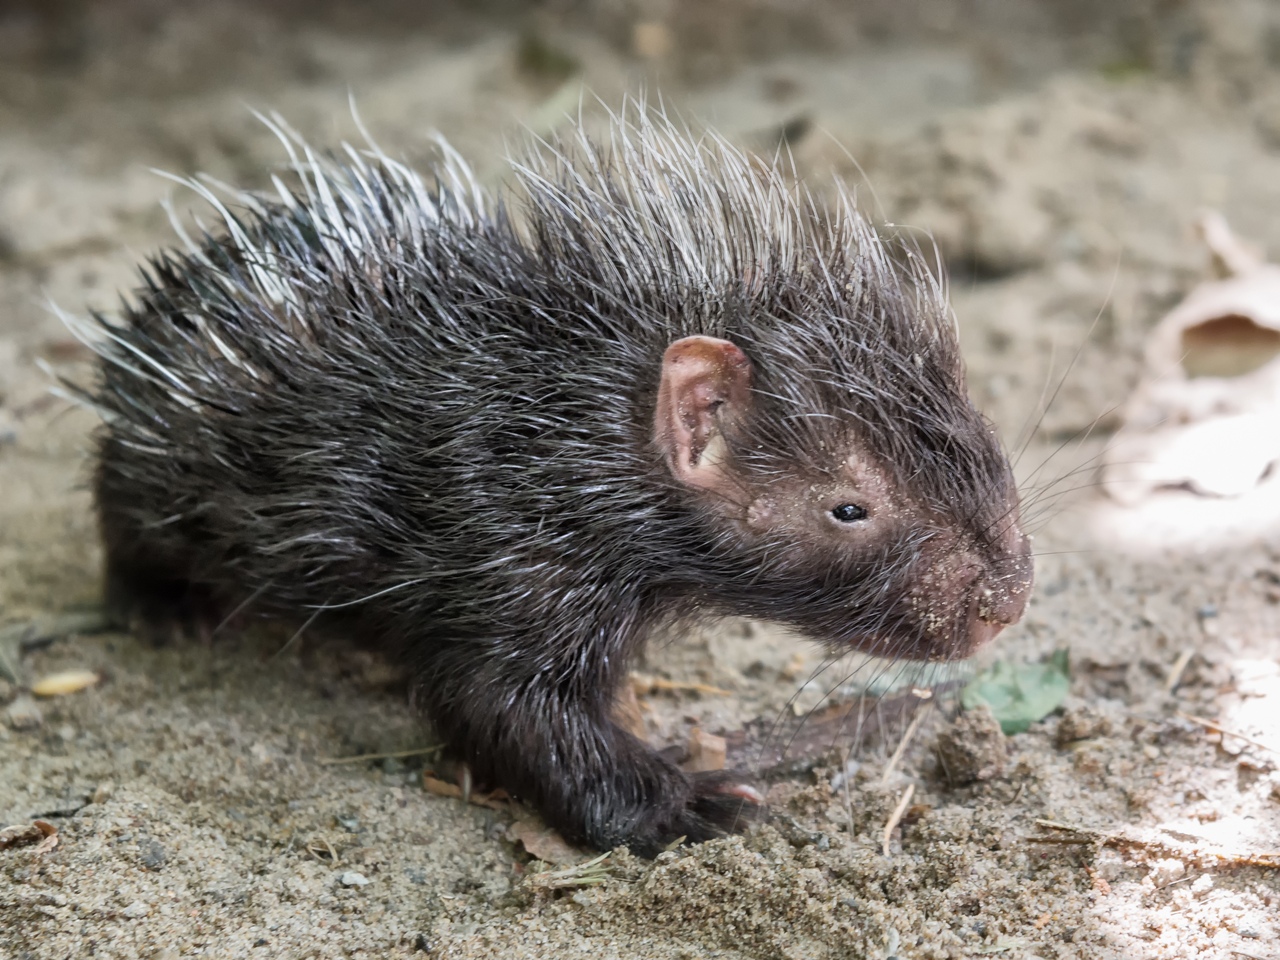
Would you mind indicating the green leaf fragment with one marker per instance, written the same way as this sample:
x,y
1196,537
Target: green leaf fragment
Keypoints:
x,y
1020,694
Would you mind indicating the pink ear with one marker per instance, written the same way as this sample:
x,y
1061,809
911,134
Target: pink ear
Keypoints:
x,y
706,385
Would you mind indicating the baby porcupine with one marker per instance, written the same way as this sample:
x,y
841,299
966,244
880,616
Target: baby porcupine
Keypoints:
x,y
512,434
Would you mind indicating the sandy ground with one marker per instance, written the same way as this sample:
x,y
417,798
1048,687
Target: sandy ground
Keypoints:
x,y
1059,154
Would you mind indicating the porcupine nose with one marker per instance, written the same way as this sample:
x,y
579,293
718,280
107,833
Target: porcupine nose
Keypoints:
x,y
1000,596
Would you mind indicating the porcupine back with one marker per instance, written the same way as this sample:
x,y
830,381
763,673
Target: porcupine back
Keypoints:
x,y
374,340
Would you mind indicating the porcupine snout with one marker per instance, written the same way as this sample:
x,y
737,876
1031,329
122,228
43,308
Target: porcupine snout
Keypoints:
x,y
1002,589
965,594
999,591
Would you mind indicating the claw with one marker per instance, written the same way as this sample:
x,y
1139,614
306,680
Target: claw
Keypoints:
x,y
744,791
464,782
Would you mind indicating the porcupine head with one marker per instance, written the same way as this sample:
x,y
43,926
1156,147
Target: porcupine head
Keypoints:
x,y
823,438
841,541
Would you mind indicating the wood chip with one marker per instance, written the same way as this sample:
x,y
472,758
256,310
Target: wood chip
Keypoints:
x,y
50,837
706,752
65,682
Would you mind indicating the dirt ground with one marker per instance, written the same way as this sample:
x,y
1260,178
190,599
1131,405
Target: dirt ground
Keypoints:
x,y
1060,153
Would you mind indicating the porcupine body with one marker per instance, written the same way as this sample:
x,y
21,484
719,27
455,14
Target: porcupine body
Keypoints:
x,y
512,434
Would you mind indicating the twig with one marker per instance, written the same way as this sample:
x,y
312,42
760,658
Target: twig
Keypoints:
x,y
590,874
1087,832
394,755
643,684
1213,725
1179,667
902,745
1268,859
495,800
319,845
896,817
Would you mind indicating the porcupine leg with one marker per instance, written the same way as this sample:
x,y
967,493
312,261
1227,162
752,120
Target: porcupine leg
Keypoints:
x,y
561,752
147,565
139,598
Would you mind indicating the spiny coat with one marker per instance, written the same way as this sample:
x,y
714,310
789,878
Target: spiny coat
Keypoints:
x,y
431,409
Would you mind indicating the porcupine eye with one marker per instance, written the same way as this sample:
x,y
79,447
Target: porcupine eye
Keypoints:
x,y
849,513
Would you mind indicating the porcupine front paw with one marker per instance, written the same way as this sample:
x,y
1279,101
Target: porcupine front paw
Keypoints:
x,y
160,624
718,804
689,808
594,782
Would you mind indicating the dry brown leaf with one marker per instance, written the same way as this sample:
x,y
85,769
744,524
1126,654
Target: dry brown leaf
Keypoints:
x,y
1203,418
20,836
40,832
50,840
545,844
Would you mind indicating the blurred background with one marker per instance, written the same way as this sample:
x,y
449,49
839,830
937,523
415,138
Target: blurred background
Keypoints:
x,y
1062,146
1061,153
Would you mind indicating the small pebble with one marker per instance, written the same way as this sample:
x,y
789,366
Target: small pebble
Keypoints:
x,y
152,854
135,910
973,748
353,879
23,713
1165,872
1081,722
